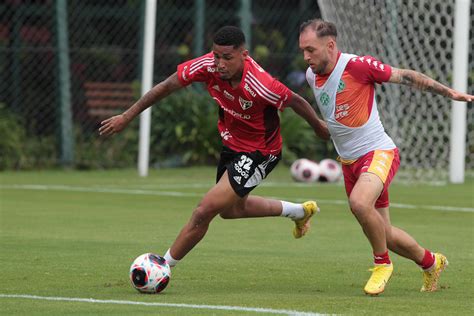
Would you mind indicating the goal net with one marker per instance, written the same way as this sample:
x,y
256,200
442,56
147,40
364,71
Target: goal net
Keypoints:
x,y
418,35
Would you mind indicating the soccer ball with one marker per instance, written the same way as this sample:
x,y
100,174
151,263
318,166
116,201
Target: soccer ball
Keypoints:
x,y
331,171
150,273
304,170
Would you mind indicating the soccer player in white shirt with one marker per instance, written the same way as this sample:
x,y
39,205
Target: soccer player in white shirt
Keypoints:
x,y
343,86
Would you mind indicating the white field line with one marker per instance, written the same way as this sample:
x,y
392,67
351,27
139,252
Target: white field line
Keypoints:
x,y
177,305
96,190
187,194
207,185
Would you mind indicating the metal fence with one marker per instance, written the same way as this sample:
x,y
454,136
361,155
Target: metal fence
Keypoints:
x,y
415,35
96,46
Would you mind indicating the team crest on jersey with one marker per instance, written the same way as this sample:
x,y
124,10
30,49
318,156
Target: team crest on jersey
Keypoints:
x,y
245,104
324,99
341,86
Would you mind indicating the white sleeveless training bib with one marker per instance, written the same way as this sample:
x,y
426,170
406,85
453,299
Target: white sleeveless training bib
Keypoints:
x,y
350,142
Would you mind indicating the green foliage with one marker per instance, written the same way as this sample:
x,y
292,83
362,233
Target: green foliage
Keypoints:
x,y
21,151
270,38
13,135
18,150
93,151
184,130
261,53
39,152
299,139
183,50
121,150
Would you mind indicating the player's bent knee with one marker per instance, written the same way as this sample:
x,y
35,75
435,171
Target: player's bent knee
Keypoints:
x,y
359,206
203,215
231,213
227,215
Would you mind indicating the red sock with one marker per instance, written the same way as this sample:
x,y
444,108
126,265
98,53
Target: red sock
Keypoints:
x,y
382,259
428,260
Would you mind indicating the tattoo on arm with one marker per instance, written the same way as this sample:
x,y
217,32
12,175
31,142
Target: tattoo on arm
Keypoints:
x,y
419,81
157,93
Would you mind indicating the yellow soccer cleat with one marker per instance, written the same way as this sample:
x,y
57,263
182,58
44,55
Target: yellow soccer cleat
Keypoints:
x,y
431,277
381,273
302,225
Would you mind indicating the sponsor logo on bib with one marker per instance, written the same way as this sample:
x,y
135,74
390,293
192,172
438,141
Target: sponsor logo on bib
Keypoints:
x,y
324,99
341,86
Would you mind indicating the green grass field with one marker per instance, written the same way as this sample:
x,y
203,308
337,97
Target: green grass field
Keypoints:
x,y
75,234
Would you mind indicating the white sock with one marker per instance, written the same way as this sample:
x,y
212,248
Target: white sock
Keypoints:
x,y
292,210
171,261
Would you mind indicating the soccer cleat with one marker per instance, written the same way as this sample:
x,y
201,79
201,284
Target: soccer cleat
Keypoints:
x,y
381,273
431,277
302,225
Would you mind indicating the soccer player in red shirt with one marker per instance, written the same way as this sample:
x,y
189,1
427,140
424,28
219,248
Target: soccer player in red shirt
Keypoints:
x,y
343,86
249,100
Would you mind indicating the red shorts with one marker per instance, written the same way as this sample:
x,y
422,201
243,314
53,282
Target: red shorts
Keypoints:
x,y
382,163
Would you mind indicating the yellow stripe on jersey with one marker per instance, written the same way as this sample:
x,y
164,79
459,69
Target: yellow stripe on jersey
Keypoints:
x,y
381,163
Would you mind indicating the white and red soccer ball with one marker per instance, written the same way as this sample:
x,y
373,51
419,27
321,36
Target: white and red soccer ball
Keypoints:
x,y
305,170
150,273
331,170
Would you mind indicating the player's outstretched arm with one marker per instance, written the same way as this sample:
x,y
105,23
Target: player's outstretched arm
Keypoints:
x,y
116,124
424,83
306,111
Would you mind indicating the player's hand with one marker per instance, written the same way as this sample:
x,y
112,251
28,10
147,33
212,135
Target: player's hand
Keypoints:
x,y
458,96
112,125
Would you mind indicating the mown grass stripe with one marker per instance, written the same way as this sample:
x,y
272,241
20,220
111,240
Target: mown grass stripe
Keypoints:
x,y
187,194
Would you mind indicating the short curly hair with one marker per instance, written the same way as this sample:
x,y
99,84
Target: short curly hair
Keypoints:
x,y
229,36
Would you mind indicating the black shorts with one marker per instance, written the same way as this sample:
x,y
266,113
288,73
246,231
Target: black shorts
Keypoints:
x,y
245,170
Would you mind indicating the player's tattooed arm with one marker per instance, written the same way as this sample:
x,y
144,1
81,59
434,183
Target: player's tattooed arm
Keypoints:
x,y
422,82
419,81
117,123
158,92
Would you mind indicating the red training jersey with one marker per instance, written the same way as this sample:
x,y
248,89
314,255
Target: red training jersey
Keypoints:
x,y
248,114
354,101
